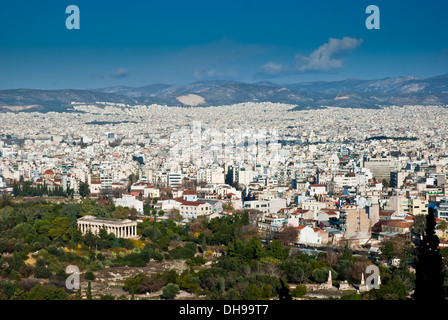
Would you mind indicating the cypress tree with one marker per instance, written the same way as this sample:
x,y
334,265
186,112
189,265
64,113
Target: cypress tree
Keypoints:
x,y
283,291
429,276
89,291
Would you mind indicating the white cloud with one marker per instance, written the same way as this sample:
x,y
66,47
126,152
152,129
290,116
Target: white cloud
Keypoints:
x,y
329,57
271,68
121,73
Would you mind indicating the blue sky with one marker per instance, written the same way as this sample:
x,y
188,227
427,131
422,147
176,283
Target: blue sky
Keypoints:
x,y
139,42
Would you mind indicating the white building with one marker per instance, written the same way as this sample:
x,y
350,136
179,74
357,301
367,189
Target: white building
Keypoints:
x,y
313,206
211,176
145,189
129,201
266,205
190,195
194,209
318,189
174,179
307,235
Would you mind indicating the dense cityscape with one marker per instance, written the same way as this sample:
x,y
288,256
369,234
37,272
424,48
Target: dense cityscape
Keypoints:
x,y
223,158
233,202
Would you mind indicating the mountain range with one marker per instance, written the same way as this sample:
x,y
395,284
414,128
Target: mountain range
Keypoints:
x,y
355,93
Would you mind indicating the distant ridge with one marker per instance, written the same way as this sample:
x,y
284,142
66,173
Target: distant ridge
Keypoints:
x,y
354,93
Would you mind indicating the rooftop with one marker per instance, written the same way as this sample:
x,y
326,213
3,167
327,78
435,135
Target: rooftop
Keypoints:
x,y
105,220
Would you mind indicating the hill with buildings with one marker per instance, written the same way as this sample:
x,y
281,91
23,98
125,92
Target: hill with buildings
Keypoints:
x,y
353,93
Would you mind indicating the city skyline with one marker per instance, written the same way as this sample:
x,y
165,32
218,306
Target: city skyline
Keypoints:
x,y
174,42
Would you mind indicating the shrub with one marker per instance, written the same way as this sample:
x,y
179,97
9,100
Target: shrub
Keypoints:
x,y
352,296
196,261
42,272
39,292
157,255
135,260
170,291
182,253
299,291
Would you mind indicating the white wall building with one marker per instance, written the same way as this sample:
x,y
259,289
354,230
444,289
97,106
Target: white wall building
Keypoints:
x,y
194,209
266,205
308,235
129,201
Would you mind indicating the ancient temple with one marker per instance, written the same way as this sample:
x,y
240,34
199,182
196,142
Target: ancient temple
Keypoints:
x,y
120,228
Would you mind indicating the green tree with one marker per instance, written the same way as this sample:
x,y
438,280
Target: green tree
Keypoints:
x,y
78,294
253,292
170,291
133,284
277,250
87,208
344,269
347,254
6,200
133,213
419,225
404,275
299,291
84,189
320,275
60,229
90,239
388,250
156,213
296,270
284,292
393,290
121,212
89,275
89,291
40,292
255,250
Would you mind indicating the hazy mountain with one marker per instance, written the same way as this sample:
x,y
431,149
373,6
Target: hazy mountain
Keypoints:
x,y
346,93
151,90
54,100
399,85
